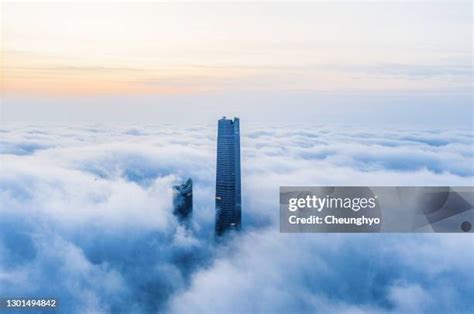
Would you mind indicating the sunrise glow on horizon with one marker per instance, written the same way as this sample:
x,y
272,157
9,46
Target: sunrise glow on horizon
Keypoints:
x,y
93,49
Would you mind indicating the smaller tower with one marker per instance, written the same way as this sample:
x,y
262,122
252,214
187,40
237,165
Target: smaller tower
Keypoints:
x,y
183,200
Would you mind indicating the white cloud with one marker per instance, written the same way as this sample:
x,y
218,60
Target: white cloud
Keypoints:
x,y
89,208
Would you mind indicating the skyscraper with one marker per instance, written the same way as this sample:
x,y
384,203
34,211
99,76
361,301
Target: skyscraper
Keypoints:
x,y
228,197
183,200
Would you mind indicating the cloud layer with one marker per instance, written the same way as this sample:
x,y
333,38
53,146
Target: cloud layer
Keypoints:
x,y
86,217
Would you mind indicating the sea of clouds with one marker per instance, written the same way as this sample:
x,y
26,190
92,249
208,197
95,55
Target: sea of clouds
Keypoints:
x,y
85,217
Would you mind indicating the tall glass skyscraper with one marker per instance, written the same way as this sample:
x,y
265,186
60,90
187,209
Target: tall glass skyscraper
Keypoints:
x,y
183,200
228,197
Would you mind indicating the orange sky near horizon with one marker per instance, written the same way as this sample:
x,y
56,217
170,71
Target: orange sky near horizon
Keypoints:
x,y
95,49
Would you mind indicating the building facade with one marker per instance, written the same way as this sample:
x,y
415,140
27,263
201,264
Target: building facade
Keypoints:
x,y
183,200
228,195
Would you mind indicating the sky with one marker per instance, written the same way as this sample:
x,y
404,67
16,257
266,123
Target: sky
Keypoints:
x,y
153,61
86,217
